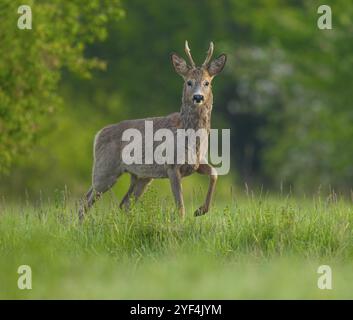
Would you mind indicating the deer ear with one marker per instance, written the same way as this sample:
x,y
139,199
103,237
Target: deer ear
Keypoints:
x,y
179,64
217,65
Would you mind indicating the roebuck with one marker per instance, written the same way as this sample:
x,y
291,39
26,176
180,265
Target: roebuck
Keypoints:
x,y
195,114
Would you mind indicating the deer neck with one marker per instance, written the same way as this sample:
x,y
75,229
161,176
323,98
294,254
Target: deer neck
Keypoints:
x,y
196,117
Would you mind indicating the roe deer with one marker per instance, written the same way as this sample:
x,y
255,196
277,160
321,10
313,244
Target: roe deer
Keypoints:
x,y
195,114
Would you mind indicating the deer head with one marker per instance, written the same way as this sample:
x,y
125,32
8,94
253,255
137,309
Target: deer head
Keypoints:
x,y
197,80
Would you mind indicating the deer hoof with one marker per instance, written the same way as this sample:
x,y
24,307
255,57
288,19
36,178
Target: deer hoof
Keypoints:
x,y
200,211
81,215
182,213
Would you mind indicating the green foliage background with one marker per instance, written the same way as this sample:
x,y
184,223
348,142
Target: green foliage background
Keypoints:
x,y
285,92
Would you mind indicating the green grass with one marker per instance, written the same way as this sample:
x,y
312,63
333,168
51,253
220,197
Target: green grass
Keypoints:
x,y
254,247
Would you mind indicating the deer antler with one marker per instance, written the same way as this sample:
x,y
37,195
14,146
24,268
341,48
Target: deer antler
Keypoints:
x,y
188,53
209,55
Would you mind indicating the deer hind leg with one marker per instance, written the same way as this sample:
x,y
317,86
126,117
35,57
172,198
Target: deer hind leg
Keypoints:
x,y
102,182
137,187
175,183
125,202
86,203
140,187
207,169
93,195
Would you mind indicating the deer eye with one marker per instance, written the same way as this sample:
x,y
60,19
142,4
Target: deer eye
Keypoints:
x,y
206,83
189,83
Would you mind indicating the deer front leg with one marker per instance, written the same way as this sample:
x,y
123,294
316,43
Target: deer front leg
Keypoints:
x,y
175,182
207,169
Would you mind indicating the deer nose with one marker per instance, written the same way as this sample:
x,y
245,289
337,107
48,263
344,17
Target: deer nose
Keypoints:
x,y
198,98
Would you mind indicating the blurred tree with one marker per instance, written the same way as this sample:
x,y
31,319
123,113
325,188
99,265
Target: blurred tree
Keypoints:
x,y
31,62
309,134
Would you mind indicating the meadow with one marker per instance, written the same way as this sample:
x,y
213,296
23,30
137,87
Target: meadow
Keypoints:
x,y
285,96
249,246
